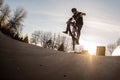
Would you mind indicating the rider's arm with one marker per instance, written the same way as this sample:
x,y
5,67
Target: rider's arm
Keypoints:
x,y
82,14
69,20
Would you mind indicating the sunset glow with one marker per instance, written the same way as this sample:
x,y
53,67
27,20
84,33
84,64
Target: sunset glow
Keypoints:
x,y
91,47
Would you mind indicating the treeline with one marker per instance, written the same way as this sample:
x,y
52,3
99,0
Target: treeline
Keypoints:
x,y
12,25
50,40
111,47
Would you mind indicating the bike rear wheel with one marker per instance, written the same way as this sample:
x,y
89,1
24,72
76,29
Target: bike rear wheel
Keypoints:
x,y
74,38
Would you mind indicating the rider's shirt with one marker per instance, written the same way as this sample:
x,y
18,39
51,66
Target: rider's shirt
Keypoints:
x,y
78,18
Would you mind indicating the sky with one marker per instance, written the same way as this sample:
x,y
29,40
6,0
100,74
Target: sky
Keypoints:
x,y
101,23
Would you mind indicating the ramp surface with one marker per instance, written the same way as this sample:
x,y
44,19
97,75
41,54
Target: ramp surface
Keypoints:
x,y
21,61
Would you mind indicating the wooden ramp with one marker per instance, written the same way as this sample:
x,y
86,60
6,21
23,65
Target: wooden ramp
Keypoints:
x,y
20,61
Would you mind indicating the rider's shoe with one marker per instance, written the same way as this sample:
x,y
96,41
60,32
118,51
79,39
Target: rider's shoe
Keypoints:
x,y
65,32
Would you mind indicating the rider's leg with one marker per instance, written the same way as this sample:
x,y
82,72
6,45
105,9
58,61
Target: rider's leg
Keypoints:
x,y
73,43
68,28
78,33
79,30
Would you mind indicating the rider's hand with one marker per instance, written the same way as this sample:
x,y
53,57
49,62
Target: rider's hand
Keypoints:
x,y
68,22
84,14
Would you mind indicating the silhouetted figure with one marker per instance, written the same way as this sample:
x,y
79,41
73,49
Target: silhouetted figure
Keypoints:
x,y
77,23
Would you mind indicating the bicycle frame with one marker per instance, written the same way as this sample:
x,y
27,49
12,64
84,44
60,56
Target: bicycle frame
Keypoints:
x,y
73,33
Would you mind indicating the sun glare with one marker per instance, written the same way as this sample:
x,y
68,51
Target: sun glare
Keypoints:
x,y
91,48
116,52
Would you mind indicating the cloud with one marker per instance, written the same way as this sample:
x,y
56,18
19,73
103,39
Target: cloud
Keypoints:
x,y
100,32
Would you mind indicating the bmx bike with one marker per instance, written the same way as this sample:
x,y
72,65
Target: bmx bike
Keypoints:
x,y
73,32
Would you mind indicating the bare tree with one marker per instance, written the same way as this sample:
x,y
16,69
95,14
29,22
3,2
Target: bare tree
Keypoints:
x,y
61,42
5,11
111,48
1,3
16,21
26,39
35,37
68,44
12,26
49,40
58,42
118,42
45,39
